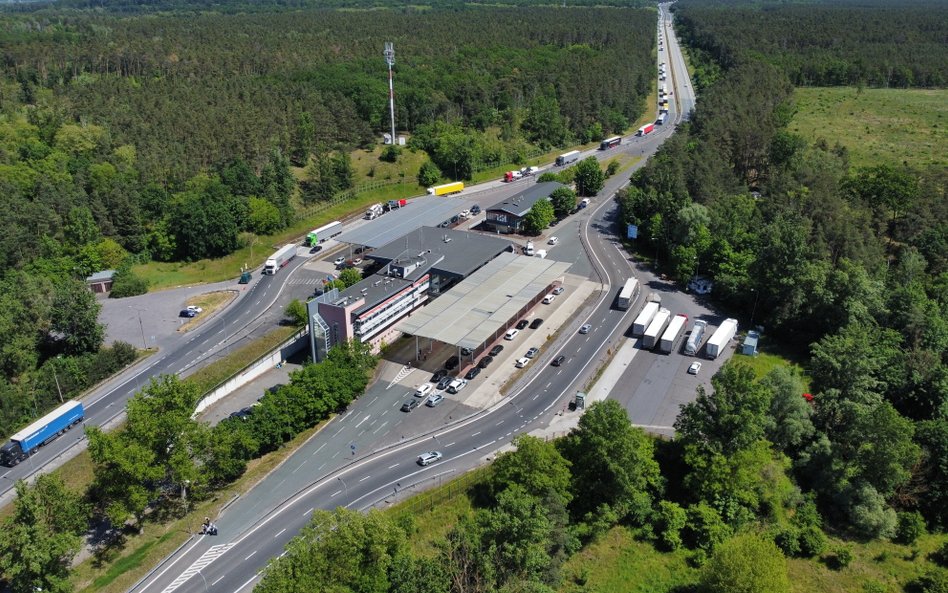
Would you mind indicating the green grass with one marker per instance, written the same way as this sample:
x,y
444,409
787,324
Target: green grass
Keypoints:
x,y
877,126
214,374
770,357
128,563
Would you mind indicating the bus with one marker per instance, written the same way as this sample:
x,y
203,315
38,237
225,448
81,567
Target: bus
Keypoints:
x,y
567,158
610,143
324,232
628,294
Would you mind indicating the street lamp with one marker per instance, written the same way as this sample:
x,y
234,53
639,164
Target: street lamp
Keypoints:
x,y
519,409
344,486
754,310
141,326
203,579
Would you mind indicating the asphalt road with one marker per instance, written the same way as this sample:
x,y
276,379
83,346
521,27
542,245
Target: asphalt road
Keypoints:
x,y
373,469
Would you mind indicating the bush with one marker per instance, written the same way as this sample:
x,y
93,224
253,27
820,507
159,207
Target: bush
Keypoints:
x,y
840,559
940,556
670,521
704,528
428,174
812,542
390,154
126,284
874,587
612,168
788,540
934,581
911,527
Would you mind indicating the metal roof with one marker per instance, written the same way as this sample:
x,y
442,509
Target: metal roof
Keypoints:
x,y
425,211
100,276
519,204
445,250
471,312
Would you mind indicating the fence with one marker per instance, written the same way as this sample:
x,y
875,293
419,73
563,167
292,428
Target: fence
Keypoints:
x,y
344,196
420,500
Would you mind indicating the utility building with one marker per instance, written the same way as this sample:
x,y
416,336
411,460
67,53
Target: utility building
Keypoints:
x,y
507,216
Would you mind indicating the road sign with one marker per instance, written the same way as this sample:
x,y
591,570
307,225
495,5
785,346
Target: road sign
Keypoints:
x,y
633,232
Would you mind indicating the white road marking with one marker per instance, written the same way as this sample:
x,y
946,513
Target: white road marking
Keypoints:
x,y
251,554
279,533
476,433
448,445
218,580
394,465
213,553
364,479
334,493
309,511
363,420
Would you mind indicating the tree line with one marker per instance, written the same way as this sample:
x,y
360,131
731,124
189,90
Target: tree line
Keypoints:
x,y
162,462
877,44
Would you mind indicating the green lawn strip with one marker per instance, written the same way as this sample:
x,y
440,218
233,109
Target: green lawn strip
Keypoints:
x,y
877,126
213,375
129,563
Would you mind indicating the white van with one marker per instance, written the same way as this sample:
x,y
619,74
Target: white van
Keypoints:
x,y
424,390
511,334
456,385
549,298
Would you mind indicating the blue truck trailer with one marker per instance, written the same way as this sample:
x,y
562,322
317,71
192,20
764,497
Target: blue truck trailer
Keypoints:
x,y
27,441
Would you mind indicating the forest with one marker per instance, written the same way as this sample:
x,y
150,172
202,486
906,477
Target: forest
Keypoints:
x,y
179,136
876,44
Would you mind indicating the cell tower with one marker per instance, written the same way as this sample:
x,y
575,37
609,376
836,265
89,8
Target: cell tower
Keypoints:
x,y
389,54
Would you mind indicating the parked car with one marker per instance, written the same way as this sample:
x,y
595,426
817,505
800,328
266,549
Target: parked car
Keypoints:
x,y
536,323
473,372
558,290
242,413
339,261
434,400
197,310
558,360
522,362
532,352
694,368
485,361
552,241
475,210
585,328
465,214
410,405
187,313
452,363
424,390
511,334
549,298
496,350
445,381
438,375
457,385
466,351
522,324
429,457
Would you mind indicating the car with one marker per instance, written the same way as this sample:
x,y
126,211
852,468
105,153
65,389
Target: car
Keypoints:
x,y
511,334
475,371
457,385
585,328
356,261
410,405
554,222
558,360
452,363
552,241
445,381
187,313
465,214
242,413
423,391
549,298
429,457
434,400
558,290
522,324
196,309
496,350
694,368
475,210
532,352
536,323
485,361
339,261
466,351
438,375
522,362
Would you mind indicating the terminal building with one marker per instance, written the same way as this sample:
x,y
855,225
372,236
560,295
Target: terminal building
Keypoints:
x,y
507,216
411,270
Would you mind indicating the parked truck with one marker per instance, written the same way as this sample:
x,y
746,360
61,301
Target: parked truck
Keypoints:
x,y
512,176
646,130
374,211
655,328
396,204
447,188
46,429
645,317
674,330
721,338
567,158
279,259
694,340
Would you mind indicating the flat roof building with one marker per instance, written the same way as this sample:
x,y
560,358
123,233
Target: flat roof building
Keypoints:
x,y
507,216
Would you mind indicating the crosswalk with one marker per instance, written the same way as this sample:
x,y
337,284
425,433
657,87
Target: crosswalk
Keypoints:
x,y
310,281
211,555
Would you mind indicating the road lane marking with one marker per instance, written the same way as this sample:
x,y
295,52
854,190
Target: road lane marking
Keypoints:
x,y
363,420
311,509
475,434
381,426
334,493
394,465
365,478
448,445
251,554
279,533
218,580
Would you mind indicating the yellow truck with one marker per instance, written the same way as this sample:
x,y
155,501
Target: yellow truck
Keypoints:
x,y
447,188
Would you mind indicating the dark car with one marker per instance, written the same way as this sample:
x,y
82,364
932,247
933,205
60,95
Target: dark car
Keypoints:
x,y
522,324
475,371
536,323
438,375
242,414
410,404
445,381
558,360
466,351
496,350
475,209
452,363
188,313
485,361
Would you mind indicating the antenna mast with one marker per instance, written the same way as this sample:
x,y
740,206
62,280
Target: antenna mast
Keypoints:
x,y
389,54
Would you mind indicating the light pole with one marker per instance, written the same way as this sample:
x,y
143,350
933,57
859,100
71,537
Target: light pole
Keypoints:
x,y
344,486
141,326
754,310
519,409
205,581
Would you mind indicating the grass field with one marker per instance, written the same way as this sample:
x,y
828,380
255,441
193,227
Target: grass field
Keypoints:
x,y
877,125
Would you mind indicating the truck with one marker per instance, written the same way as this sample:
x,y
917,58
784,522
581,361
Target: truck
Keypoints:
x,y
655,328
323,233
512,176
646,130
374,211
279,259
628,293
567,158
644,318
661,119
396,204
674,330
722,336
46,429
446,189
694,340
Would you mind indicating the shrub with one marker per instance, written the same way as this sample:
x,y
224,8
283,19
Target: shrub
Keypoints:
x,y
390,154
940,556
812,542
934,581
126,284
788,540
911,527
842,557
670,521
428,174
612,168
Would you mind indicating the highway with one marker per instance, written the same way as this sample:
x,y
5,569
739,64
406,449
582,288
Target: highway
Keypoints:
x,y
332,470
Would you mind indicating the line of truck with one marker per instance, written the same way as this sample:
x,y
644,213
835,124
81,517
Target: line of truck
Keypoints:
x,y
660,330
25,442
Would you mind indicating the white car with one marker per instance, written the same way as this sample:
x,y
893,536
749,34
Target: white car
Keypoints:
x,y
522,362
549,298
339,261
558,290
511,334
457,385
195,308
585,329
694,368
552,241
465,214
424,390
429,457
